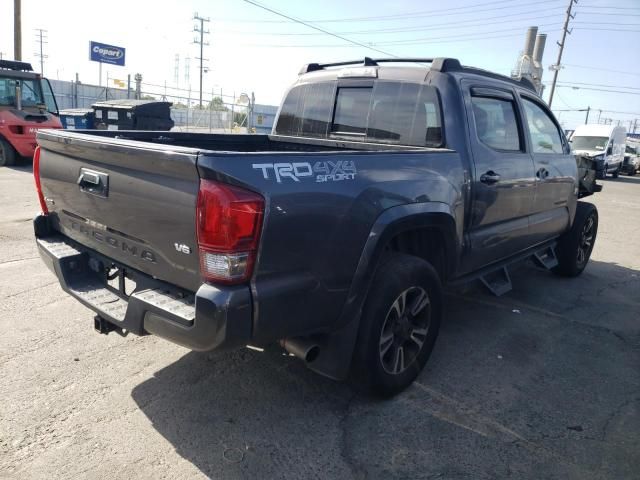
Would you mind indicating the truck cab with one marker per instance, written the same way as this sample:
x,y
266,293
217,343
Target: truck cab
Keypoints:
x,y
27,104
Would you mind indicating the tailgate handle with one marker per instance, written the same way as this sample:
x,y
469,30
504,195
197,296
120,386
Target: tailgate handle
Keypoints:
x,y
95,183
88,177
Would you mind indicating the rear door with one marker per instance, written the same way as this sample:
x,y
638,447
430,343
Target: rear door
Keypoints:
x,y
503,182
134,202
555,171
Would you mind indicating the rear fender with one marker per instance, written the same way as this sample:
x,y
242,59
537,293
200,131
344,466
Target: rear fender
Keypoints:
x,y
336,348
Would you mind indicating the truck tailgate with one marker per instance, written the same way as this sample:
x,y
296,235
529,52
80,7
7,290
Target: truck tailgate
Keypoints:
x,y
133,202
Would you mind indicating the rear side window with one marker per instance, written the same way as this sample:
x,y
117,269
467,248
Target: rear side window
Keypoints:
x,y
544,134
496,123
406,114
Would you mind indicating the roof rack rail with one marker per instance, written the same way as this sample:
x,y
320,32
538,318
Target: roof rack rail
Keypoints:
x,y
15,65
440,64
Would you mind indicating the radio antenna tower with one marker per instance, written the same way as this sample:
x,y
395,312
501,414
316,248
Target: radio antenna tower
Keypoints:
x,y
200,29
176,71
41,38
187,66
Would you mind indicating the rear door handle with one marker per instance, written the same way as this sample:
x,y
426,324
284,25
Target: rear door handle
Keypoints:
x,y
490,177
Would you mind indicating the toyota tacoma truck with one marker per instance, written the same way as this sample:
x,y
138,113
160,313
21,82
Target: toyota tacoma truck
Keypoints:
x,y
382,181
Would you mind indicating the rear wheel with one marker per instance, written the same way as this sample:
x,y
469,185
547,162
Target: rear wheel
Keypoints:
x,y
575,246
399,325
7,153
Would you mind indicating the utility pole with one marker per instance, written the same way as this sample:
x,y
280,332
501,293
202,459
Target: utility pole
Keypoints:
x,y
599,113
557,66
17,30
41,37
586,120
202,43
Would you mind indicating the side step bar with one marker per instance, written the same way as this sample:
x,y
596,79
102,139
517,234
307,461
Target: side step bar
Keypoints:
x,y
496,278
498,282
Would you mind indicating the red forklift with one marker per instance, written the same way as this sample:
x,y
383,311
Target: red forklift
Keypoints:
x,y
27,104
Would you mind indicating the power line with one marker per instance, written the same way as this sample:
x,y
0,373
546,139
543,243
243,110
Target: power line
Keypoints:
x,y
598,85
439,26
599,109
598,89
350,46
601,69
402,16
317,28
611,8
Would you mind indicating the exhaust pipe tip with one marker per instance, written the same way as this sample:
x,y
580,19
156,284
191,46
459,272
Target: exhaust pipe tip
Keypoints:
x,y
303,348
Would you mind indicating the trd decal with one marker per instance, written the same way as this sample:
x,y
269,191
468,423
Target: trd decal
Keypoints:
x,y
299,171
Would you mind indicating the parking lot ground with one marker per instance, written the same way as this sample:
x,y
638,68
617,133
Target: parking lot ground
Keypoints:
x,y
543,382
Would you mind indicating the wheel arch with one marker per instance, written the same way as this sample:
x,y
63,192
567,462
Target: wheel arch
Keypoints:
x,y
396,223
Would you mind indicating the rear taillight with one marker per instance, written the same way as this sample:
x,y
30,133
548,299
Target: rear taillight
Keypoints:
x,y
36,176
229,220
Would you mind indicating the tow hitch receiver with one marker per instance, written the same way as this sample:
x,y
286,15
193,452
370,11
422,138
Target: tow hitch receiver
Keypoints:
x,y
103,326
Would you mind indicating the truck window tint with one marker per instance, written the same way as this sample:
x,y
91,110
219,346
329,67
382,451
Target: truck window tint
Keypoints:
x,y
496,124
288,120
352,108
404,113
316,109
544,134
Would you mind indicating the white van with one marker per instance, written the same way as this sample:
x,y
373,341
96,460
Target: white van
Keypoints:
x,y
605,143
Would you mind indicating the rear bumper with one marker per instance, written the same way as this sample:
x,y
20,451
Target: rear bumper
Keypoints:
x,y
212,318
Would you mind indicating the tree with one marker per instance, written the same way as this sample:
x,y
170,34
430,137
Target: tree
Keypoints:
x,y
217,104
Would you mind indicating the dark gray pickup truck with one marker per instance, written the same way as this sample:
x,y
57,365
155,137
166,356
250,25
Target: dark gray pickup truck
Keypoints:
x,y
381,183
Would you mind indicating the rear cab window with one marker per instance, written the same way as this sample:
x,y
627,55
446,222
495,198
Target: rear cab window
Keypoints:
x,y
400,113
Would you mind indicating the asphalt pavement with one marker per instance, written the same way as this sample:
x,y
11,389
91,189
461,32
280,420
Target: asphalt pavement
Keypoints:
x,y
543,382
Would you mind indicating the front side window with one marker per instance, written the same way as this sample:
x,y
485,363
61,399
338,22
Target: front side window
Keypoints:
x,y
496,123
543,132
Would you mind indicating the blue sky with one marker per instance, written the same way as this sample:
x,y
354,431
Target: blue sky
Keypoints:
x,y
254,50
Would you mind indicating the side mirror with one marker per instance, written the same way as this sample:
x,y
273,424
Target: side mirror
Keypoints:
x,y
609,149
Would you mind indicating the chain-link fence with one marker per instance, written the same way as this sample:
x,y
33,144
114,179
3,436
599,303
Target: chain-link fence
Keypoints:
x,y
219,111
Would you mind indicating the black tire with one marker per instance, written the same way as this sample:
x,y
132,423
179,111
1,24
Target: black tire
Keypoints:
x,y
7,154
378,368
603,173
616,173
575,246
